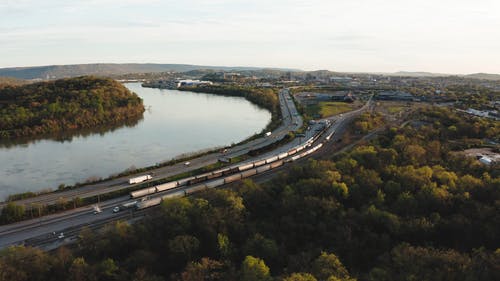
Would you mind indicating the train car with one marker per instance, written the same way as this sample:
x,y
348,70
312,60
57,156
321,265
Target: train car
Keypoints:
x,y
179,193
292,151
304,154
223,170
259,163
271,159
184,181
232,178
282,155
248,173
276,164
264,168
299,148
245,167
143,192
198,179
296,157
231,171
196,188
148,203
214,175
215,183
166,186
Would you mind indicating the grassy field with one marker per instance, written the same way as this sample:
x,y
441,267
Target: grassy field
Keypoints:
x,y
328,108
395,109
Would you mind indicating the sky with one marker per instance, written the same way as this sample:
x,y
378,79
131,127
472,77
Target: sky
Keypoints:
x,y
442,36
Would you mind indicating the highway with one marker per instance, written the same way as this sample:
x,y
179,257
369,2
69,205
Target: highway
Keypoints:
x,y
291,122
44,232
48,228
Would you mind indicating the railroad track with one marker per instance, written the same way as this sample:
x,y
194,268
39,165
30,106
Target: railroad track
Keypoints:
x,y
121,183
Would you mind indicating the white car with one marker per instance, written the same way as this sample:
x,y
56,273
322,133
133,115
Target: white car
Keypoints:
x,y
61,235
116,209
187,163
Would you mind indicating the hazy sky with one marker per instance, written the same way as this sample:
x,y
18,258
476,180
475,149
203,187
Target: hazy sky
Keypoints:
x,y
449,36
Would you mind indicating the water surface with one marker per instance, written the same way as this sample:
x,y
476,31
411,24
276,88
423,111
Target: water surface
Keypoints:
x,y
174,123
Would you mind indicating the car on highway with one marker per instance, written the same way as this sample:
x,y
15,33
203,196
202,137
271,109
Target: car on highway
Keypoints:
x,y
187,163
116,209
61,235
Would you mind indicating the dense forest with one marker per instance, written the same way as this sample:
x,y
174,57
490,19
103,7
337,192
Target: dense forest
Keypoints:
x,y
401,207
63,105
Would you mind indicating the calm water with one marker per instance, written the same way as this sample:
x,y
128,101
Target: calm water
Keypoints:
x,y
174,123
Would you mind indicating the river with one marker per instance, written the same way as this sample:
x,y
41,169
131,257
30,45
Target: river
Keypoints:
x,y
175,123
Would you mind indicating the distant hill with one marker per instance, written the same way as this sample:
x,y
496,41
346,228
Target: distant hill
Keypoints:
x,y
485,76
11,81
418,74
106,69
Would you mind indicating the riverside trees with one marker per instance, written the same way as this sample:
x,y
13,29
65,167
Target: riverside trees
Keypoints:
x,y
66,104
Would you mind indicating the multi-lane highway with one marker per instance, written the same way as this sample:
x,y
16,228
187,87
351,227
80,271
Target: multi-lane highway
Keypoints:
x,y
291,122
50,227
46,232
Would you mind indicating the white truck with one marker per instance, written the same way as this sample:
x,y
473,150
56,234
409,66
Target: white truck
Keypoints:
x,y
139,179
268,134
124,206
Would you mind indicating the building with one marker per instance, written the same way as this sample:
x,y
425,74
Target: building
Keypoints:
x,y
343,96
189,82
336,79
395,95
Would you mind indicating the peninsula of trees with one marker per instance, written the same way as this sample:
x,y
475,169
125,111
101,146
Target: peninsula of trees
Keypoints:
x,y
63,105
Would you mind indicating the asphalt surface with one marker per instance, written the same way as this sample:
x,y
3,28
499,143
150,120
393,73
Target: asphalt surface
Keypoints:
x,y
49,228
291,122
44,232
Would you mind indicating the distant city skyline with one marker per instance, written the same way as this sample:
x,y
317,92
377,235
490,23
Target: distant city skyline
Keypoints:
x,y
455,37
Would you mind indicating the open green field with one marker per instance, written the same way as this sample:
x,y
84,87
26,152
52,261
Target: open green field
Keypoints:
x,y
328,108
395,109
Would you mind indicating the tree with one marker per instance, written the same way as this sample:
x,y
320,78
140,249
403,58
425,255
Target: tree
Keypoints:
x,y
12,213
328,265
415,154
107,269
418,263
24,263
142,275
183,247
205,270
254,269
224,245
79,270
261,246
300,277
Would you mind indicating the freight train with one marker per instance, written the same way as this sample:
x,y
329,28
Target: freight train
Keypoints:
x,y
226,175
221,181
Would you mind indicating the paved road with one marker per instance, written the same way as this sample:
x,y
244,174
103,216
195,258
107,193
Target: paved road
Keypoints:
x,y
46,226
291,122
41,231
